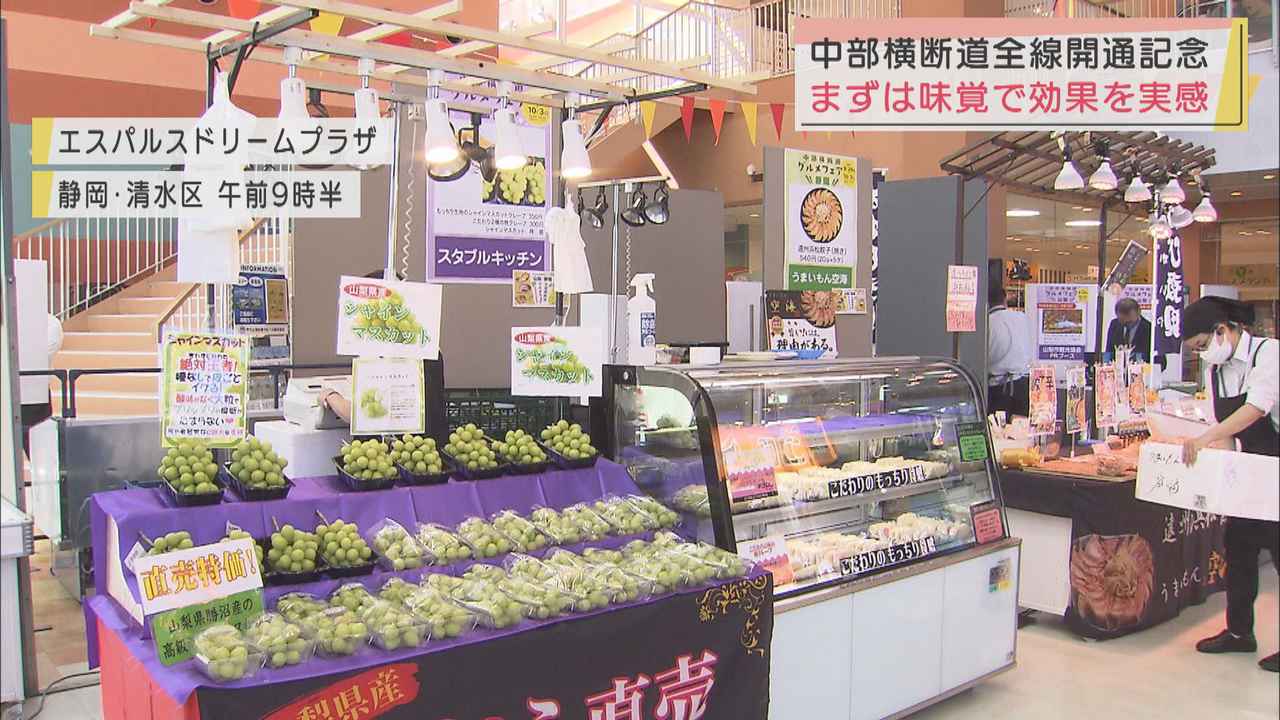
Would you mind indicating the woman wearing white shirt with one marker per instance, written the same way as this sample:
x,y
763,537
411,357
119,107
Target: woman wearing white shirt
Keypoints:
x,y
1243,372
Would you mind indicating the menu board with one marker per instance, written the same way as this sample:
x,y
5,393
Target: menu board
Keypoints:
x,y
204,389
821,229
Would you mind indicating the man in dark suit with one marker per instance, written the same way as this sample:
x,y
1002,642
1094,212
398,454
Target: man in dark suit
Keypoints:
x,y
1129,329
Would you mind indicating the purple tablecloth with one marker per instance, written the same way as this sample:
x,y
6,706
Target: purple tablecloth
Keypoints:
x,y
149,511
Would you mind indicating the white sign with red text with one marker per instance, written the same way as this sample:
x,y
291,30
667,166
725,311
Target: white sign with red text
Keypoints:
x,y
179,578
385,318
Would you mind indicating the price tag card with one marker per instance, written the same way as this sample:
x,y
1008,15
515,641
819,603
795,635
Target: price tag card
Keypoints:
x,y
205,389
771,554
556,361
972,438
174,631
987,522
196,575
388,318
387,396
884,557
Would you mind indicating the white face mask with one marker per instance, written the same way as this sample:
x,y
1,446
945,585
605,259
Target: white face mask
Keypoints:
x,y
1218,352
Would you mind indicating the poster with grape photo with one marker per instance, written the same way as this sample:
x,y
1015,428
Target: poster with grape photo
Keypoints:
x,y
486,222
556,361
385,318
388,396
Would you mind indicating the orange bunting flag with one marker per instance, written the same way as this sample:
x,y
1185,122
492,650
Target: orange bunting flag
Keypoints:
x,y
749,115
647,109
244,9
403,38
777,109
717,117
327,23
686,116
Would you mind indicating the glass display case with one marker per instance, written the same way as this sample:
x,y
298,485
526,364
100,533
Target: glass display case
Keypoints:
x,y
824,471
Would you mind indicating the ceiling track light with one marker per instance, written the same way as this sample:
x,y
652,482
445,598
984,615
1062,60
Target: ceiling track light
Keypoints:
x,y
1172,192
507,154
575,161
442,145
1069,177
1104,178
1137,191
293,91
1205,212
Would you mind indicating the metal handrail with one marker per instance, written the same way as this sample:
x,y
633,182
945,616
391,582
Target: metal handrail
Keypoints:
x,y
58,373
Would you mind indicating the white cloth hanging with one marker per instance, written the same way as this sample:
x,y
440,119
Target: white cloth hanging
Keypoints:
x,y
571,273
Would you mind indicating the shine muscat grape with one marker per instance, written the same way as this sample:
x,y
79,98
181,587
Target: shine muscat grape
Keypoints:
x,y
399,550
256,465
392,626
484,538
417,454
225,655
445,547
469,447
341,544
367,460
179,540
519,448
281,641
292,551
568,440
336,631
523,534
444,618
189,469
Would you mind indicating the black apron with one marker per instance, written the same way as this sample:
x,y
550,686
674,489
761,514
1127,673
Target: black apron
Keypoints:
x,y
1261,437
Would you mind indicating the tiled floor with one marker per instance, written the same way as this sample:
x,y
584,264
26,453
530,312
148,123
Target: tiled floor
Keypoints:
x,y
1154,674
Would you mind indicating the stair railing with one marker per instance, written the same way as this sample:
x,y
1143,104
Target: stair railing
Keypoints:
x,y
89,259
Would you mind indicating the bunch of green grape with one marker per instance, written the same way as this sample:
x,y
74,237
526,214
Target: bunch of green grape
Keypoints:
x,y
179,540
445,547
396,590
296,606
341,545
542,601
371,404
352,596
524,535
484,539
336,631
224,654
392,626
512,185
256,465
189,469
292,550
519,448
589,586
397,547
493,607
235,533
530,568
535,174
486,190
281,641
367,460
664,516
470,448
588,521
440,582
484,571
568,440
417,454
625,517
444,618
556,526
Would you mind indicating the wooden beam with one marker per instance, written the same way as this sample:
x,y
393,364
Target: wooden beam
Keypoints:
x,y
624,76
610,45
269,16
471,46
329,44
504,39
122,19
377,32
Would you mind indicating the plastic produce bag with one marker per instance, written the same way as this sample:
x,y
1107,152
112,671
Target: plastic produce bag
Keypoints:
x,y
444,618
442,545
484,539
523,534
353,596
223,654
392,626
295,606
281,642
571,273
395,547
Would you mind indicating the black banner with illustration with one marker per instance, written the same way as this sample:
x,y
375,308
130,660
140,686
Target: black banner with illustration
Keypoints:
x,y
1134,564
701,654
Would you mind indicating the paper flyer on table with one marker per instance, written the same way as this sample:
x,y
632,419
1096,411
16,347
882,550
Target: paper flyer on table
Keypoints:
x,y
387,318
556,361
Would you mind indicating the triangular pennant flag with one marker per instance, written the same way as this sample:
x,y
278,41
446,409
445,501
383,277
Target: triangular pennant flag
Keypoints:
x,y
686,116
151,23
244,9
403,38
647,109
717,117
777,109
749,115
327,23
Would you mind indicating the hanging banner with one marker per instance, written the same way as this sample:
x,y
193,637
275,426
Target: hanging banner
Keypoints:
x,y
962,298
556,361
1043,413
204,389
802,321
388,396
1111,73
1060,322
821,230
260,310
1170,297
388,318
1076,419
487,223
1125,266
877,179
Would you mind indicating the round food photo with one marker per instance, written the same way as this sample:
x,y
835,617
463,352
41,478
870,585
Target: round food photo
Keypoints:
x,y
821,215
1112,580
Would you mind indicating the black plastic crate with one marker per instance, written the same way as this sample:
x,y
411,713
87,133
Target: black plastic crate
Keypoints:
x,y
495,411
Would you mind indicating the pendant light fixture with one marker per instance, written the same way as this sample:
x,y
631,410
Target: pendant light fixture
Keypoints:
x,y
1172,192
1104,178
658,211
575,163
507,154
1137,190
1180,217
595,213
1158,225
442,146
1069,177
367,110
1205,212
293,91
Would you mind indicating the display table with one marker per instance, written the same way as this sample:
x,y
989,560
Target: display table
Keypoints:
x,y
699,647
1108,563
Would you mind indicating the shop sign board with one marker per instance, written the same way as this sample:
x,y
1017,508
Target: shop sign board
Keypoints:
x,y
1221,482
1170,297
260,309
1061,322
387,396
821,231
205,380
972,439
962,298
802,321
388,318
1024,73
1044,400
556,361
180,578
173,632
1076,418
486,224
870,560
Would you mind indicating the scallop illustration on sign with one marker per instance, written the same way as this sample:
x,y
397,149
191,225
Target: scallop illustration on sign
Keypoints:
x,y
821,215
